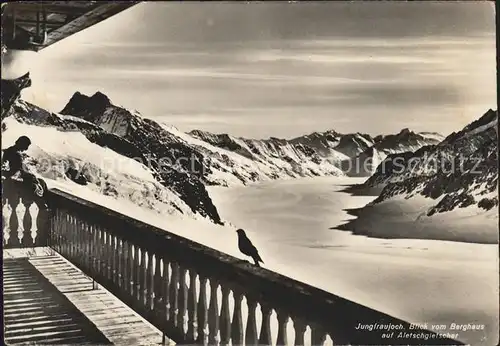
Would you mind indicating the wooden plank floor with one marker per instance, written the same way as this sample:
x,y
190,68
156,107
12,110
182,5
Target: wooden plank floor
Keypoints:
x,y
48,300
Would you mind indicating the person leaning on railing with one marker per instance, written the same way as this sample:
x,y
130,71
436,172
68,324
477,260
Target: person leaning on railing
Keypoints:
x,y
13,156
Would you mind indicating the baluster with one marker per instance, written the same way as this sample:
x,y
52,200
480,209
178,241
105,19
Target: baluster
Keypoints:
x,y
87,249
174,293
131,269
111,257
213,313
74,239
191,332
149,283
14,222
95,250
142,278
98,250
166,291
165,299
52,235
35,233
27,239
265,330
79,242
104,253
136,271
5,220
64,233
282,328
86,245
251,337
181,315
43,227
202,311
157,286
300,329
118,261
90,247
83,245
61,225
237,323
98,247
318,336
123,267
69,237
225,317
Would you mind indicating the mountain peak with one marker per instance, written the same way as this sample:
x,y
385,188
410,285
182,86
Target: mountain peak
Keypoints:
x,y
84,106
100,98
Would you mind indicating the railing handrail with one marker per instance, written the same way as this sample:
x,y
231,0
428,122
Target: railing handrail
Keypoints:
x,y
338,316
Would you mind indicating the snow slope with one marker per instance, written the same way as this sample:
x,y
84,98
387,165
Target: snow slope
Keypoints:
x,y
459,172
107,172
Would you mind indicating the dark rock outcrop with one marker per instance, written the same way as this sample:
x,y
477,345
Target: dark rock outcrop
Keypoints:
x,y
174,164
457,172
11,91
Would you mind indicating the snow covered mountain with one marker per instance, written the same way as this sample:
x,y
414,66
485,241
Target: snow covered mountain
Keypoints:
x,y
184,163
460,171
365,162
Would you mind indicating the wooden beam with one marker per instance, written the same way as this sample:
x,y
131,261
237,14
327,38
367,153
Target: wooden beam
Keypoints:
x,y
59,9
88,19
34,23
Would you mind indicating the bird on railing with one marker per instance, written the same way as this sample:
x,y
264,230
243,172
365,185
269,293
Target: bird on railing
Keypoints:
x,y
247,248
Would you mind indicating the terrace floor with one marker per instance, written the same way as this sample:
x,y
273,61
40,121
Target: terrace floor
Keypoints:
x,y
47,300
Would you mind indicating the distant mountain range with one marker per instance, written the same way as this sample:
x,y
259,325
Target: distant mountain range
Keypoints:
x,y
187,162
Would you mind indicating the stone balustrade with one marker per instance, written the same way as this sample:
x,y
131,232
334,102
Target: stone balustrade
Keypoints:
x,y
25,219
192,293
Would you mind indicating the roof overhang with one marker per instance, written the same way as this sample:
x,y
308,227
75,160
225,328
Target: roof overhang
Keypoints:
x,y
34,25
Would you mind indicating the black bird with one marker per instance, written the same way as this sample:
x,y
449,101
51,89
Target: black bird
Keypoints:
x,y
247,248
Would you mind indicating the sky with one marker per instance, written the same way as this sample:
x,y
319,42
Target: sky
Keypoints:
x,y
283,69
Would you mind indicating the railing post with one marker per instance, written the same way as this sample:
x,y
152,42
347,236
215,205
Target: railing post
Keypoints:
x,y
282,328
157,286
149,283
213,313
251,331
265,330
318,335
202,311
181,315
225,317
192,306
13,241
174,293
166,296
27,240
142,278
136,274
300,328
237,322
